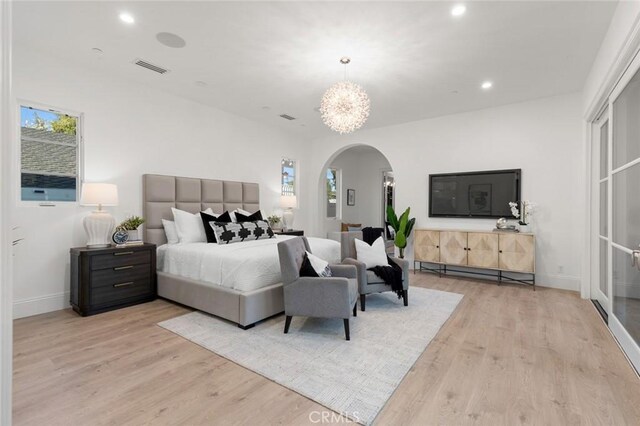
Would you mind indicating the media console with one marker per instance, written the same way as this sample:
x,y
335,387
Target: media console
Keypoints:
x,y
495,252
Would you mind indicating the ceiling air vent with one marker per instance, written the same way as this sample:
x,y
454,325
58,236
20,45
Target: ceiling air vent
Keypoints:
x,y
287,117
155,68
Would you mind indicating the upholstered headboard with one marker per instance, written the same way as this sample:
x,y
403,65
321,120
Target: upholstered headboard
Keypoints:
x,y
160,193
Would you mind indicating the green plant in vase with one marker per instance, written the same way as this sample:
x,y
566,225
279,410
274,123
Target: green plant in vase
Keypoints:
x,y
402,226
131,225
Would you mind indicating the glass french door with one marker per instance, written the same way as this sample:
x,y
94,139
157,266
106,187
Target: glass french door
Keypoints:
x,y
600,225
623,213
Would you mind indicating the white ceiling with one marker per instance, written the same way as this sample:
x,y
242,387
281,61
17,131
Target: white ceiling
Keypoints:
x,y
414,59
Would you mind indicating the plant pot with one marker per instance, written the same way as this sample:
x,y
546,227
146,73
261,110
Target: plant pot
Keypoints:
x,y
134,234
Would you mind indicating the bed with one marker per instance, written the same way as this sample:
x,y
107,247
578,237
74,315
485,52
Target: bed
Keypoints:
x,y
239,282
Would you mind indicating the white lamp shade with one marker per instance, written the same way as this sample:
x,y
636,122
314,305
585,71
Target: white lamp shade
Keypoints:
x,y
94,194
288,202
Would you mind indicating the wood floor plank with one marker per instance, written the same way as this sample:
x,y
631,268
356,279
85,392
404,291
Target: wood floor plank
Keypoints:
x,y
507,355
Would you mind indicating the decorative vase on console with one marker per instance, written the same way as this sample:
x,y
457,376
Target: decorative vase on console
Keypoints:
x,y
522,210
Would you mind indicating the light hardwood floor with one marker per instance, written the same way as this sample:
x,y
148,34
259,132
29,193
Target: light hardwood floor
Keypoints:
x,y
507,355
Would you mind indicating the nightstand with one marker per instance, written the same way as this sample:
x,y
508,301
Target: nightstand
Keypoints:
x,y
296,232
109,278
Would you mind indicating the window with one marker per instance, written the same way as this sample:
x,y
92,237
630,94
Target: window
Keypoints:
x,y
49,153
288,171
333,193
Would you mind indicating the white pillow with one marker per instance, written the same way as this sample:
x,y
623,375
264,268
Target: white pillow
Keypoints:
x,y
372,255
241,211
170,231
319,265
189,226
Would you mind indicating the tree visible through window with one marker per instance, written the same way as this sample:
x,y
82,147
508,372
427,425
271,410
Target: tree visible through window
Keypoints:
x,y
49,142
332,193
288,171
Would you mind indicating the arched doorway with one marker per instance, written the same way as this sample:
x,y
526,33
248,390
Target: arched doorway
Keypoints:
x,y
354,186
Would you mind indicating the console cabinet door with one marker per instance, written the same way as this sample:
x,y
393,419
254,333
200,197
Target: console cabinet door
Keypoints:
x,y
453,247
517,253
482,250
426,245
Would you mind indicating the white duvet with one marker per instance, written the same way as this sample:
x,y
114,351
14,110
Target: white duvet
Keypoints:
x,y
242,266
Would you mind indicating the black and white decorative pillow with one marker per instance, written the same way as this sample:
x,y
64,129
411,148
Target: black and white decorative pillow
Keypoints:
x,y
235,232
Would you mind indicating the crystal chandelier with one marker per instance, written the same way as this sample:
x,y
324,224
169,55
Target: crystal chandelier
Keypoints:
x,y
345,105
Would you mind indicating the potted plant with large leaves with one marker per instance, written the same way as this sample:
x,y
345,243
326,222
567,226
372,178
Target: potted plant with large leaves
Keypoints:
x,y
402,226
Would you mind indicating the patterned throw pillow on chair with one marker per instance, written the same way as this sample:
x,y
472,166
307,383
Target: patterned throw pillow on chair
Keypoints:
x,y
235,232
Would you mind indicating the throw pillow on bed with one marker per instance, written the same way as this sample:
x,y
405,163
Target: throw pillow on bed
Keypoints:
x,y
241,217
235,232
189,226
170,231
206,218
371,255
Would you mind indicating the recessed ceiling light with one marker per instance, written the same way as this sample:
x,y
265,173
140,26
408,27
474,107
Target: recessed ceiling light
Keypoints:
x,y
458,10
487,85
97,51
127,18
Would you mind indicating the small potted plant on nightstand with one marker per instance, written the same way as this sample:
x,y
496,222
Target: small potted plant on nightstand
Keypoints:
x,y
274,221
131,225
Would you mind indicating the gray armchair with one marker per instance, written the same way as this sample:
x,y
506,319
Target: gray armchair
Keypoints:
x,y
368,282
322,297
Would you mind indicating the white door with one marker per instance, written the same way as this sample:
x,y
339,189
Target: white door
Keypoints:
x,y
599,227
624,212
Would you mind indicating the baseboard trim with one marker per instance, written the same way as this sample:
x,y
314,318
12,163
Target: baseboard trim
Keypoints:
x,y
40,305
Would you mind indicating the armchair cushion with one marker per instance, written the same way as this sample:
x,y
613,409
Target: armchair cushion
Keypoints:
x,y
321,297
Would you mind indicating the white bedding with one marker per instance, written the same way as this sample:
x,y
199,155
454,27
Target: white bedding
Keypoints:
x,y
242,266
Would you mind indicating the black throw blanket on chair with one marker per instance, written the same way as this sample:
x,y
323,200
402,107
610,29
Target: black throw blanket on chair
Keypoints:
x,y
391,275
369,234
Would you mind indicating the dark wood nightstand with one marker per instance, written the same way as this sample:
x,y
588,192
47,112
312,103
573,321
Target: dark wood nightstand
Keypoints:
x,y
110,278
296,232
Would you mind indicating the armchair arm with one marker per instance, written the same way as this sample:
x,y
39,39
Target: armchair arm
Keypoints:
x,y
404,264
361,269
325,297
344,271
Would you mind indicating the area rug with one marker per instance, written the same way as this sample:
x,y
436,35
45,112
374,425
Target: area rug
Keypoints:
x,y
353,378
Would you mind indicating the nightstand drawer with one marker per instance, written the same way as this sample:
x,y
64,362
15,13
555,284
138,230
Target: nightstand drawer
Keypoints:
x,y
119,274
121,291
120,258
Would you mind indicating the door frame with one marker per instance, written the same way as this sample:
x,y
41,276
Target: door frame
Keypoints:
x,y
623,59
6,200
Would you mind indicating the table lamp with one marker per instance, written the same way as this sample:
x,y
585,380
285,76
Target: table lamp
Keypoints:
x,y
99,224
288,203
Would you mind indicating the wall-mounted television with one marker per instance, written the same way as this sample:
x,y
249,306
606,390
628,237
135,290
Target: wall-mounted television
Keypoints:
x,y
482,195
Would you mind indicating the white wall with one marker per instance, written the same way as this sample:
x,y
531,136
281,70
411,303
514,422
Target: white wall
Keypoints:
x,y
620,35
542,137
362,169
130,130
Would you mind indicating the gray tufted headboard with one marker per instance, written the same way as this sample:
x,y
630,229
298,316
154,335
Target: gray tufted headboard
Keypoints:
x,y
161,192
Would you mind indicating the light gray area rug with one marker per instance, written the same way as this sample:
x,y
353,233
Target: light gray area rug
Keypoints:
x,y
355,378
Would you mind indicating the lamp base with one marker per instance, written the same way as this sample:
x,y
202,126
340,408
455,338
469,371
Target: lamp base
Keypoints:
x,y
99,226
287,219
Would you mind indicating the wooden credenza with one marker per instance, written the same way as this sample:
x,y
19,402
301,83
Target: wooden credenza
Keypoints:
x,y
496,252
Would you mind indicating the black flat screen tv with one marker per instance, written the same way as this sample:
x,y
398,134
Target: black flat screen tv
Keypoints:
x,y
482,195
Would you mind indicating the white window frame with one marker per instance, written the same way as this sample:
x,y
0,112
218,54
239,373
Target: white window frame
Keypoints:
x,y
18,149
338,215
296,184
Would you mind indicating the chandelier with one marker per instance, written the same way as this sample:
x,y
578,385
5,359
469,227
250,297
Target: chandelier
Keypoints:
x,y
345,105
